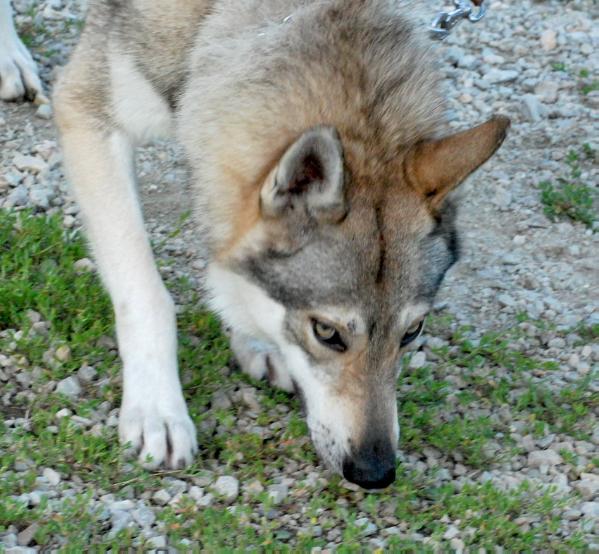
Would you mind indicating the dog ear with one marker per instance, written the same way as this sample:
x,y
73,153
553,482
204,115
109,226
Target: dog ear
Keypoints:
x,y
310,177
436,167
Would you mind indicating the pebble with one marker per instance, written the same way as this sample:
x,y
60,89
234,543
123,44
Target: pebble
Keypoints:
x,y
84,265
590,509
195,493
249,398
31,164
368,528
156,542
18,197
227,487
144,516
451,533
457,545
533,109
206,500
547,91
496,76
548,40
161,497
44,111
69,387
25,537
417,360
52,476
572,515
86,374
588,486
119,520
278,493
63,353
41,197
506,300
221,400
540,458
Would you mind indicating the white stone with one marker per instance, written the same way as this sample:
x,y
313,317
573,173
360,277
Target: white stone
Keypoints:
x,y
540,458
451,533
249,398
206,500
195,493
87,373
532,108
548,40
161,497
65,412
18,197
590,509
157,542
30,164
44,111
418,360
144,516
368,528
278,493
505,300
227,487
69,387
52,476
495,76
84,265
457,545
63,353
588,486
547,91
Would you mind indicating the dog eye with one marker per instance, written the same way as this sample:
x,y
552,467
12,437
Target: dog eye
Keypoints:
x,y
328,336
412,333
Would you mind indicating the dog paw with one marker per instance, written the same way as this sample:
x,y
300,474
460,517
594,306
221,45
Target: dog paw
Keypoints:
x,y
261,361
18,73
160,435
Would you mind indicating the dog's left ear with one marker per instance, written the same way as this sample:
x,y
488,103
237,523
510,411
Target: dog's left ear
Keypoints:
x,y
436,167
308,180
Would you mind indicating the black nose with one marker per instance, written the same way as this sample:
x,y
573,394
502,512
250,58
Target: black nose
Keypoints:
x,y
371,467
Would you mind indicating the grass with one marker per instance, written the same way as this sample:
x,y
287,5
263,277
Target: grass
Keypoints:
x,y
37,272
570,197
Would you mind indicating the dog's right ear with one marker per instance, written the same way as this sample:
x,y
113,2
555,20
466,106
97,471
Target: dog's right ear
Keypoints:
x,y
437,167
309,177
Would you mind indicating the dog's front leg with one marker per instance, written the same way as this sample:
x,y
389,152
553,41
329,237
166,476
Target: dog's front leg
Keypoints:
x,y
154,417
18,72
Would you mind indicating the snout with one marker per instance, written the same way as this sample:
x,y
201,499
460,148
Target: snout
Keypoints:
x,y
371,466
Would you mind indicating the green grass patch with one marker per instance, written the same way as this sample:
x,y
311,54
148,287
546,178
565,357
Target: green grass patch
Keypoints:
x,y
37,272
570,197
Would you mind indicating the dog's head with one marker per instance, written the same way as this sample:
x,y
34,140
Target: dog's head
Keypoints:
x,y
340,272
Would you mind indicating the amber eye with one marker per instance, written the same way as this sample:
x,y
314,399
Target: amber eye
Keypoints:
x,y
328,336
412,333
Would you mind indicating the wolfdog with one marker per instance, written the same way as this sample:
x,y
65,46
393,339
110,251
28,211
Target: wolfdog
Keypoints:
x,y
322,167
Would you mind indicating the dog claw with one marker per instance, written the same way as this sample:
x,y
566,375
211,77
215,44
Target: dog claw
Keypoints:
x,y
158,440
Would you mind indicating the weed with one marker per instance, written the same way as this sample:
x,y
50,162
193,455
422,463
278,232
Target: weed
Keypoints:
x,y
570,197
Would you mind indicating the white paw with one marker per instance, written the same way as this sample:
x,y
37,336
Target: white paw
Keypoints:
x,y
162,433
261,360
18,72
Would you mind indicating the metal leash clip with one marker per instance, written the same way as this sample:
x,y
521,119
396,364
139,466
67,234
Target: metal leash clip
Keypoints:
x,y
444,22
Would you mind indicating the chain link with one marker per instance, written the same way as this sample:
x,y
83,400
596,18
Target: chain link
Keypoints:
x,y
444,22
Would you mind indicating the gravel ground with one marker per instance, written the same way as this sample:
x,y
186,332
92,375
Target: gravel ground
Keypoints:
x,y
524,277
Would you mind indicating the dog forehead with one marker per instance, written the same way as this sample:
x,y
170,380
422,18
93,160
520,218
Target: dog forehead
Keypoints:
x,y
369,262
